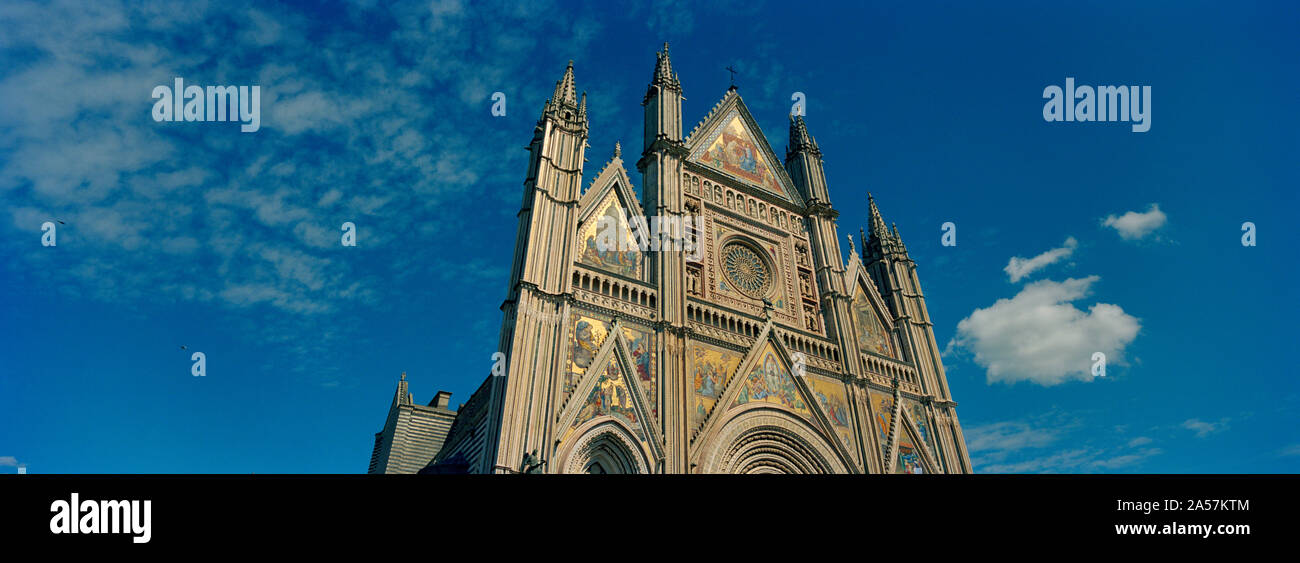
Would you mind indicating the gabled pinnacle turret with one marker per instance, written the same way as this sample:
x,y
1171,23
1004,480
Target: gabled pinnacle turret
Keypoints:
x,y
874,221
663,108
564,101
803,161
564,89
800,140
664,76
880,240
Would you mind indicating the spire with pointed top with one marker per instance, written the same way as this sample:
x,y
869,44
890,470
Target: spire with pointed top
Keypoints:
x,y
565,91
564,104
663,104
403,395
664,75
618,149
800,140
876,223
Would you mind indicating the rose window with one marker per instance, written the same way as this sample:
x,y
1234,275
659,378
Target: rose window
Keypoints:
x,y
746,270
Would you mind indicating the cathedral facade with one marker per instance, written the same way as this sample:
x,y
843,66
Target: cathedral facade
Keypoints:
x,y
751,348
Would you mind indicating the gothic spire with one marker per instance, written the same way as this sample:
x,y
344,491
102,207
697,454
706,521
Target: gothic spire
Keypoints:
x,y
664,75
565,92
876,223
800,140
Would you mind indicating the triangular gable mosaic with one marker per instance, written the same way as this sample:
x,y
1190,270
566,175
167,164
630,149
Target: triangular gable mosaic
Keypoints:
x,y
872,336
909,459
769,381
831,397
882,414
732,149
611,396
587,334
917,414
711,369
641,346
613,250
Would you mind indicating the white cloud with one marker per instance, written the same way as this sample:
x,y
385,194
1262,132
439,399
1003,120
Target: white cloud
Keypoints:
x,y
1203,429
1039,336
1017,268
1133,225
8,461
350,132
1054,442
1289,451
1007,436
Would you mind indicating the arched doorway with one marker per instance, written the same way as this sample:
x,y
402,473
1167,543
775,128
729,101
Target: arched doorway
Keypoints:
x,y
769,441
605,448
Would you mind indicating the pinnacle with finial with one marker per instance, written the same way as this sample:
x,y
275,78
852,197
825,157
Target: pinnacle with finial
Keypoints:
x,y
565,92
876,223
664,74
799,137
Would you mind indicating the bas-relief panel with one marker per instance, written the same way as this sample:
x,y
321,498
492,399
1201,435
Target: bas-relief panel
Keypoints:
x,y
621,254
711,369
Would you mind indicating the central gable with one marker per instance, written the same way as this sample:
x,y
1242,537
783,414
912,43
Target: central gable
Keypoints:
x,y
770,381
729,141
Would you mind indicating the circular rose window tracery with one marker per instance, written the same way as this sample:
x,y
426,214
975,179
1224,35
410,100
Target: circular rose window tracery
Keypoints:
x,y
747,271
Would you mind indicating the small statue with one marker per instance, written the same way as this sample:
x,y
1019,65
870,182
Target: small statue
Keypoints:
x,y
532,463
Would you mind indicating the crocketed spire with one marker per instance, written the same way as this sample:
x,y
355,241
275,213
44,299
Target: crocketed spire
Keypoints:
x,y
664,75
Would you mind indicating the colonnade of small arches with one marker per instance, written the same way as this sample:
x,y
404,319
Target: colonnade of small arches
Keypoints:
x,y
741,203
613,287
889,369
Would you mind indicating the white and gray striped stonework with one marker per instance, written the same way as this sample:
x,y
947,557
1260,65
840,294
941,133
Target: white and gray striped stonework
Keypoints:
x,y
412,435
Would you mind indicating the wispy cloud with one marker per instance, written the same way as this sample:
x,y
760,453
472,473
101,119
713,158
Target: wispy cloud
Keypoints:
x,y
1052,443
1134,225
1007,436
1017,268
1203,428
350,132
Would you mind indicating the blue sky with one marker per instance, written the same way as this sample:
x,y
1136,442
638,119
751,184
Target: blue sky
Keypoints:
x,y
197,235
